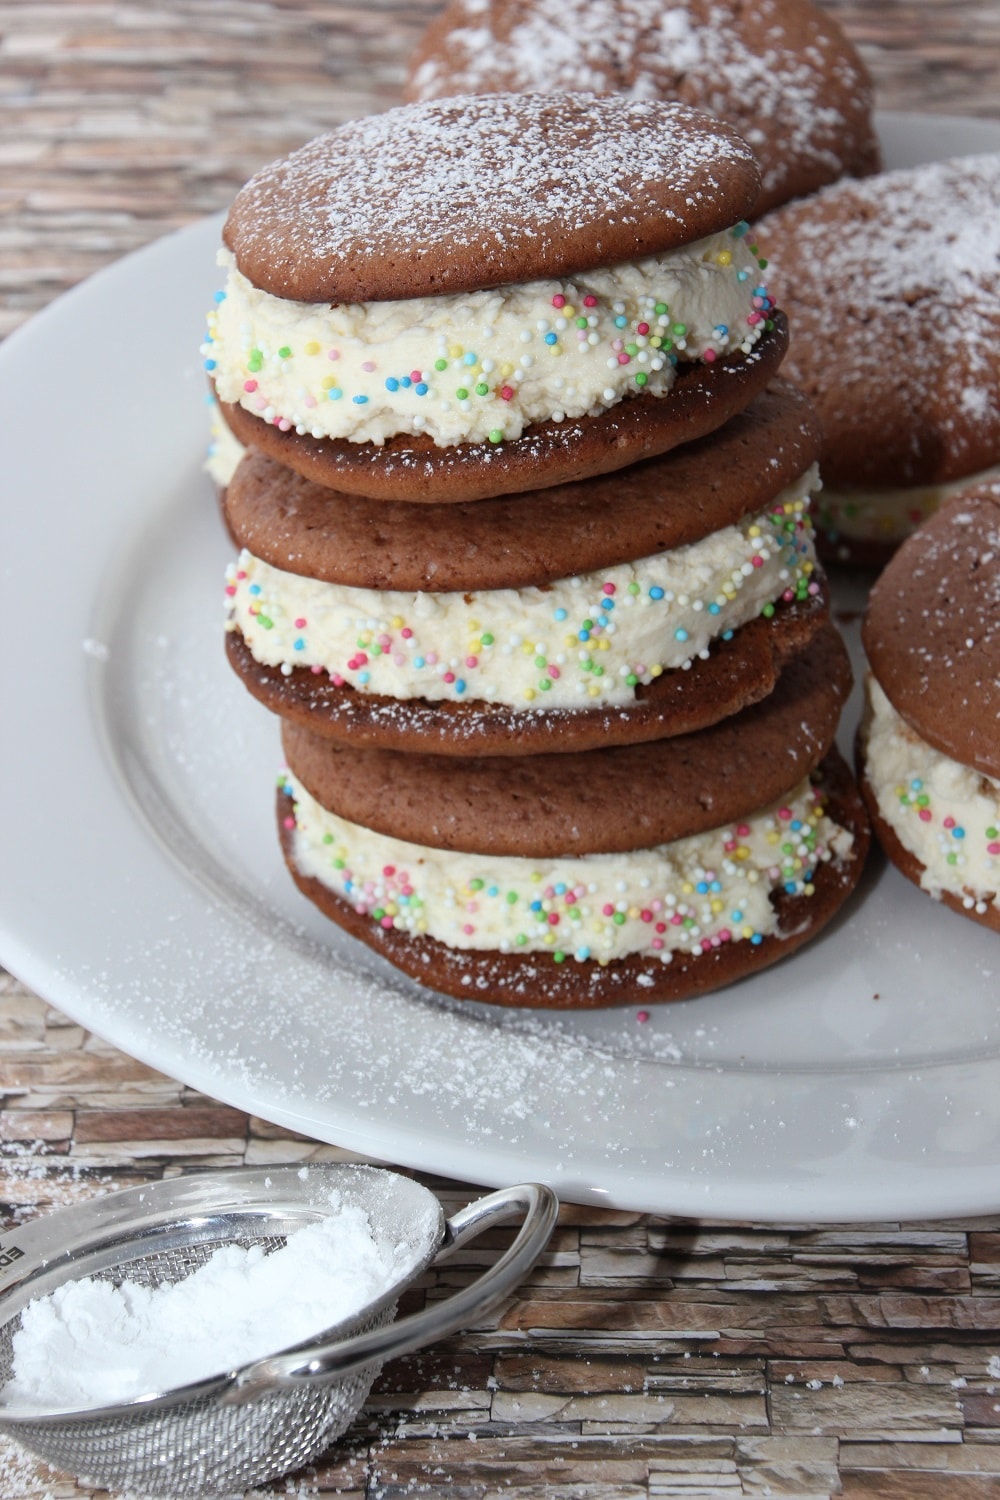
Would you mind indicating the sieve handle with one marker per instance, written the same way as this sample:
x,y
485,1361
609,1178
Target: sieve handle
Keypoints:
x,y
532,1202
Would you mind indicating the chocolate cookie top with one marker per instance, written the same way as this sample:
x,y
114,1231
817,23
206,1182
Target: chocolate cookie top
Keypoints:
x,y
932,630
605,800
780,71
908,263
468,193
533,538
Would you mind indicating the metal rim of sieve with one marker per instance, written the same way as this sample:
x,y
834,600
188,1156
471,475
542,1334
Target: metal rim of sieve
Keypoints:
x,y
115,1232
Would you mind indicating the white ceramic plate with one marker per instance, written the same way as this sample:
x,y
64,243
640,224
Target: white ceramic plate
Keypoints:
x,y
144,893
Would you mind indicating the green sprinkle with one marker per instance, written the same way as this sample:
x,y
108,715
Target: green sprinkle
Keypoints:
x,y
641,378
487,639
284,352
662,308
511,898
618,918
581,322
265,623
632,349
328,838
767,611
476,885
461,394
338,864
520,940
558,957
633,588
482,389
680,329
541,661
496,436
631,679
544,683
440,364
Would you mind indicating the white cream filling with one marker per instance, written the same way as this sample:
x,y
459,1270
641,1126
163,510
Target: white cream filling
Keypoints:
x,y
482,366
945,814
887,515
224,451
687,896
583,641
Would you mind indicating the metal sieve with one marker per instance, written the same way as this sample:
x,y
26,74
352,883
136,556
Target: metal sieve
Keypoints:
x,y
238,1428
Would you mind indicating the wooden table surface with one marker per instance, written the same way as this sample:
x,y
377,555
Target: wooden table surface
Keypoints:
x,y
643,1357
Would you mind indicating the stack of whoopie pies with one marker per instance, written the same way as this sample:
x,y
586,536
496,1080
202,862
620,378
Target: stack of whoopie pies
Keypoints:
x,y
527,568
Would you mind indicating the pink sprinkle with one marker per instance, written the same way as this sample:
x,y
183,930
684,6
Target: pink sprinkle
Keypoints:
x,y
993,848
743,829
283,424
624,359
507,392
288,822
398,659
310,402
708,356
315,669
642,1015
784,813
660,927
468,929
333,354
300,623
388,869
336,679
553,919
590,300
676,919
549,892
385,922
368,365
558,300
924,815
449,677
813,588
617,344
361,659
230,589
725,936
415,376
472,905
383,640
607,910
656,943
241,573
406,632
949,822
249,385
729,845
642,328
609,588
757,560
554,672
647,916
569,897
753,319
431,658
472,661
260,404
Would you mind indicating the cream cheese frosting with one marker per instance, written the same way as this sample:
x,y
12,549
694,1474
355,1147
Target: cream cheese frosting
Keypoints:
x,y
482,366
945,814
584,641
888,515
687,896
224,450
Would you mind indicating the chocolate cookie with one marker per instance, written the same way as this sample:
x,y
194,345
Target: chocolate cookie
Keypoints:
x,y
551,805
783,74
635,648
929,745
658,924
533,538
908,391
471,296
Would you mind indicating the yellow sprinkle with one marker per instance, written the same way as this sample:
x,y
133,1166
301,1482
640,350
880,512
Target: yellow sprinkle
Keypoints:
x,y
687,888
717,906
604,644
528,648
773,836
656,670
725,257
748,932
396,622
455,351
529,693
741,852
809,889
328,382
634,913
593,690
753,531
312,347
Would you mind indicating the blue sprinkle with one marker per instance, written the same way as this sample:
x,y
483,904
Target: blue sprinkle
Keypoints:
x,y
210,364
621,321
300,644
552,338
958,833
583,953
602,619
583,635
916,784
702,888
790,887
727,635
536,906
656,592
560,614
421,389
360,400
560,889
737,916
760,291
493,890
714,609
406,382
742,275
364,676
220,296
335,393
680,634
756,940
609,603
722,329
392,384
740,229
796,824
716,885
460,685
418,661
469,359
255,588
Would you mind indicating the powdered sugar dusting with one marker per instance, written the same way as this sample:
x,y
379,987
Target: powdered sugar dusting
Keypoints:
x,y
790,83
911,262
512,185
